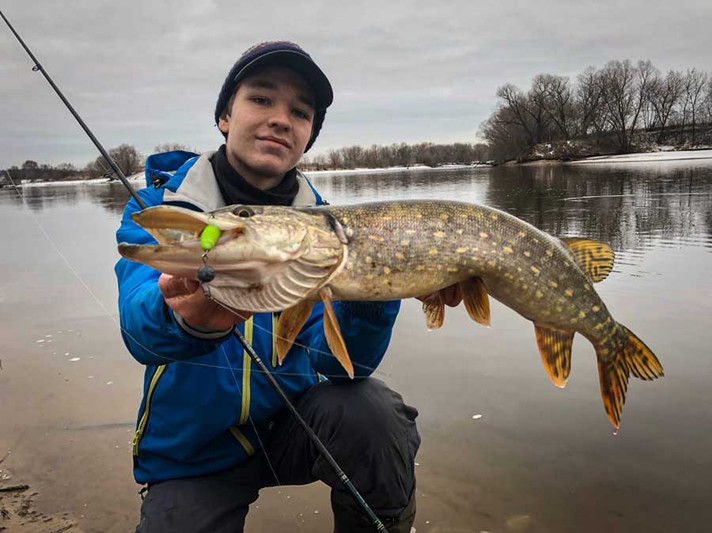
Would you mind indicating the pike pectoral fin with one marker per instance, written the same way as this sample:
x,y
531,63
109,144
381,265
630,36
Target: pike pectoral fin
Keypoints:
x,y
434,310
333,333
474,296
289,325
595,258
555,350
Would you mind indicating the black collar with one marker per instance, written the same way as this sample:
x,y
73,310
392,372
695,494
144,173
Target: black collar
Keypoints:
x,y
237,190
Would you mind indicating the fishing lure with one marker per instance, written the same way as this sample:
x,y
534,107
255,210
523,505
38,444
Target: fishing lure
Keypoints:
x,y
208,239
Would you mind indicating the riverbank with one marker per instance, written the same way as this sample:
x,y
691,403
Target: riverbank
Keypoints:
x,y
643,157
648,157
18,513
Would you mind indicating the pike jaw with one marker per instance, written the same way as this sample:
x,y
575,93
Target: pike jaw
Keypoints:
x,y
267,258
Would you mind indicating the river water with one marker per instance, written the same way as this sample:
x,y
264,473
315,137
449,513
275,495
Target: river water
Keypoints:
x,y
503,450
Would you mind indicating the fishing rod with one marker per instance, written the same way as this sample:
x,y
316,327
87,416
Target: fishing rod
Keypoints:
x,y
375,521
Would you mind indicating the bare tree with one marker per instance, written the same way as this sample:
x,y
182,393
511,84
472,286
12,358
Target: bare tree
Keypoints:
x,y
665,94
171,147
335,159
589,96
127,158
625,88
559,103
694,84
517,111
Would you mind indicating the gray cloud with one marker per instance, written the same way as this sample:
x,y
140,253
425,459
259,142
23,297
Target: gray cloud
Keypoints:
x,y
149,72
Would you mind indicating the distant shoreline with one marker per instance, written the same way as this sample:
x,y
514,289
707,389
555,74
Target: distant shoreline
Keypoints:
x,y
637,157
643,157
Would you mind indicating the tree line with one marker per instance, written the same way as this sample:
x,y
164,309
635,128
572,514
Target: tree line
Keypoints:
x,y
396,155
618,108
127,158
130,161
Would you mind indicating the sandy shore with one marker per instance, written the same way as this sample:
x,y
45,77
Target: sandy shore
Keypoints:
x,y
19,513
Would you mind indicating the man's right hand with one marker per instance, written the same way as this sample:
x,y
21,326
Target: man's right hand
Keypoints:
x,y
187,299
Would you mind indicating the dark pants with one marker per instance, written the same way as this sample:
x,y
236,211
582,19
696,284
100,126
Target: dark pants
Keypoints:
x,y
365,426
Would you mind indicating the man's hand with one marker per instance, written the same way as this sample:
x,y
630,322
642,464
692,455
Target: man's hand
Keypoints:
x,y
186,298
451,295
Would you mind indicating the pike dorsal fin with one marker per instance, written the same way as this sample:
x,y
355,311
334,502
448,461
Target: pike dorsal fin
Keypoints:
x,y
474,296
434,310
332,331
555,350
595,258
289,325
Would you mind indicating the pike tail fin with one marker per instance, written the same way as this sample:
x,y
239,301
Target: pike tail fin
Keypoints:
x,y
631,356
641,360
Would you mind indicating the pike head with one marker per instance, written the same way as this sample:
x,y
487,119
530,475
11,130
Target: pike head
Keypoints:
x,y
267,258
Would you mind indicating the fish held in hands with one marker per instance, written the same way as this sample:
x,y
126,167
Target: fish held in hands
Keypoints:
x,y
271,258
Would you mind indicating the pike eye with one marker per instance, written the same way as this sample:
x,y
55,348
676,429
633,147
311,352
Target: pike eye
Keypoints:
x,y
243,211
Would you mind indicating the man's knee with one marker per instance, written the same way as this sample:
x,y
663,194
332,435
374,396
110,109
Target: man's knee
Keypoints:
x,y
367,411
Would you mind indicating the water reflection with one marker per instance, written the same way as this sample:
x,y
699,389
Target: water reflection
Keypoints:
x,y
626,207
111,196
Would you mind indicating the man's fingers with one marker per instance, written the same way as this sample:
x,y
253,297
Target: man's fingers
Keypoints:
x,y
173,287
452,295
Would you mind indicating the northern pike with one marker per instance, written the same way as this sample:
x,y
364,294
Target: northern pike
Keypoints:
x,y
271,258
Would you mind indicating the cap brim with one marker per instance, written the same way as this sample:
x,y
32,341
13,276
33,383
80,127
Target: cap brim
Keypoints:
x,y
300,63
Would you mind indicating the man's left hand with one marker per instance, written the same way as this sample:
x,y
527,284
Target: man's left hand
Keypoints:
x,y
451,296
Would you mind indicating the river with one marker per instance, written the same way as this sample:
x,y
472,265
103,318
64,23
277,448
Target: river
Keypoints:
x,y
503,450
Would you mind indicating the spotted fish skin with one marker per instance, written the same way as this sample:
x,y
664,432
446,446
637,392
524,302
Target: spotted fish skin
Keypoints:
x,y
283,258
411,248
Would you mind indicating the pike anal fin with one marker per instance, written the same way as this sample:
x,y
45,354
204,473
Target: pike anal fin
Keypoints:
x,y
332,331
434,310
595,258
289,325
555,350
474,296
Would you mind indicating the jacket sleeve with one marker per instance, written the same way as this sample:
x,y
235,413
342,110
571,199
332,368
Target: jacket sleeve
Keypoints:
x,y
148,326
366,328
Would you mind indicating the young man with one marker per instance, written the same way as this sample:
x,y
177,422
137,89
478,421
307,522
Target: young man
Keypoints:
x,y
211,432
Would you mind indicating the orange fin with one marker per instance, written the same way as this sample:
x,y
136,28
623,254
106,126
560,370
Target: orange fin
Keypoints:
x,y
474,296
613,377
634,357
333,333
289,325
434,310
640,359
595,258
555,350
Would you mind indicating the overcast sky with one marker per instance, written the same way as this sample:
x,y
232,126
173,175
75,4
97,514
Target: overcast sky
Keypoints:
x,y
149,72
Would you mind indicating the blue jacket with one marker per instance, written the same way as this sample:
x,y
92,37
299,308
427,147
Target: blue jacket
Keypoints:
x,y
204,407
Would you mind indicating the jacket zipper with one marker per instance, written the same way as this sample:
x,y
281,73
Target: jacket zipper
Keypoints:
x,y
147,408
245,408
